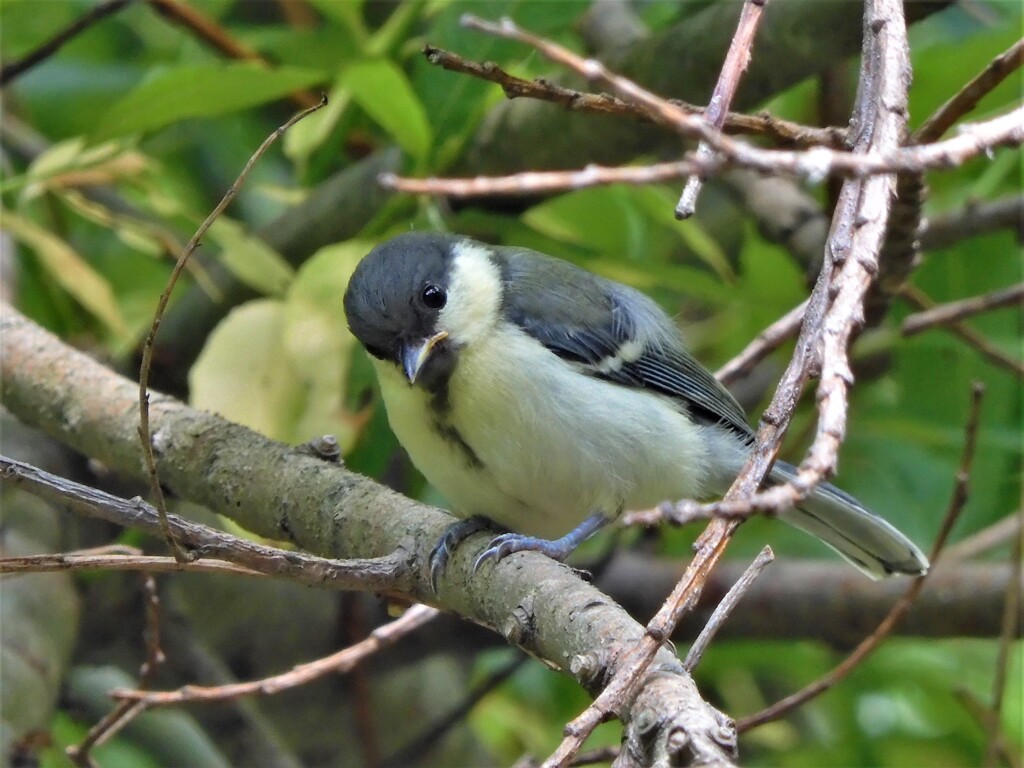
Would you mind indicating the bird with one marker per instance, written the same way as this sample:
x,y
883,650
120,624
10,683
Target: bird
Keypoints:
x,y
542,400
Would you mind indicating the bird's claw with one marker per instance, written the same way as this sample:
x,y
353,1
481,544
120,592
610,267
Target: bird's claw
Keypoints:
x,y
499,548
455,535
504,545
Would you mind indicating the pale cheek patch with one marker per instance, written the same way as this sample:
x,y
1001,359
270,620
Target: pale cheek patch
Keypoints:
x,y
474,294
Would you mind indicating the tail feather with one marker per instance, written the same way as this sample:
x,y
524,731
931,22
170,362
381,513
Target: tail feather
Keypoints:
x,y
870,543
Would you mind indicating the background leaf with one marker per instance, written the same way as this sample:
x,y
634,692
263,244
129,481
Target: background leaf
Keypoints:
x,y
383,90
200,90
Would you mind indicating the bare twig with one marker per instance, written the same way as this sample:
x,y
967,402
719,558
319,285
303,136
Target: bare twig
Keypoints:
x,y
870,643
766,342
10,72
126,711
379,574
725,606
1011,614
999,533
919,299
984,716
815,164
967,98
79,561
147,348
656,108
337,663
954,311
762,124
737,59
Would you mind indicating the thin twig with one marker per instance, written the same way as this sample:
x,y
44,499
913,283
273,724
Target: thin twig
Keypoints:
x,y
737,59
724,608
126,711
996,535
983,715
967,98
815,165
337,663
77,561
10,72
766,342
919,299
956,504
1011,614
378,574
656,108
762,124
954,311
147,348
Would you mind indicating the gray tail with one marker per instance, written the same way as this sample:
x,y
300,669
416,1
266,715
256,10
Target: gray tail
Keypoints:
x,y
860,536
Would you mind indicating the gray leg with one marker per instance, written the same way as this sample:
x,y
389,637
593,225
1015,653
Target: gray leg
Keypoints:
x,y
557,549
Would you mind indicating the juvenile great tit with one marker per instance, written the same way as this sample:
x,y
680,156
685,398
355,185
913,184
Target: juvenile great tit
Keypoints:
x,y
546,400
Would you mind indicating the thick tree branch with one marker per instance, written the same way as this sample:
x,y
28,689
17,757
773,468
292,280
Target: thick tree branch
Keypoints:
x,y
820,600
275,491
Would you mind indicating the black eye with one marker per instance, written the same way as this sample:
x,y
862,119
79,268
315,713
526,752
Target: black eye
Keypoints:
x,y
434,296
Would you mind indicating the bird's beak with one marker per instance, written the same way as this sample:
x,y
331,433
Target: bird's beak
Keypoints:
x,y
415,354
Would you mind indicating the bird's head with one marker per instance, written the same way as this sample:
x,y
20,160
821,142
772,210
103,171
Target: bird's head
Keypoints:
x,y
416,300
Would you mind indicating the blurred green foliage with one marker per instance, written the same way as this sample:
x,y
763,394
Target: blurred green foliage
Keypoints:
x,y
115,149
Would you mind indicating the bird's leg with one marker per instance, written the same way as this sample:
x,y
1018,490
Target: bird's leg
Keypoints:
x,y
557,549
456,534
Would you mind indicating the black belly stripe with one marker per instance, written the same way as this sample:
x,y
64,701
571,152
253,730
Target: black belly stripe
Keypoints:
x,y
440,406
452,435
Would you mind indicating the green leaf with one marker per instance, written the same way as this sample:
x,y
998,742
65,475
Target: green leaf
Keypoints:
x,y
280,366
396,29
347,13
243,374
318,343
201,90
250,259
305,137
69,270
383,91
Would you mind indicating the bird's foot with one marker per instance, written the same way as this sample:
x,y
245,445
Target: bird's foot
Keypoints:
x,y
455,535
557,549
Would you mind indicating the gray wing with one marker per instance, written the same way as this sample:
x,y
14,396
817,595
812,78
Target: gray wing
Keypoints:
x,y
611,332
